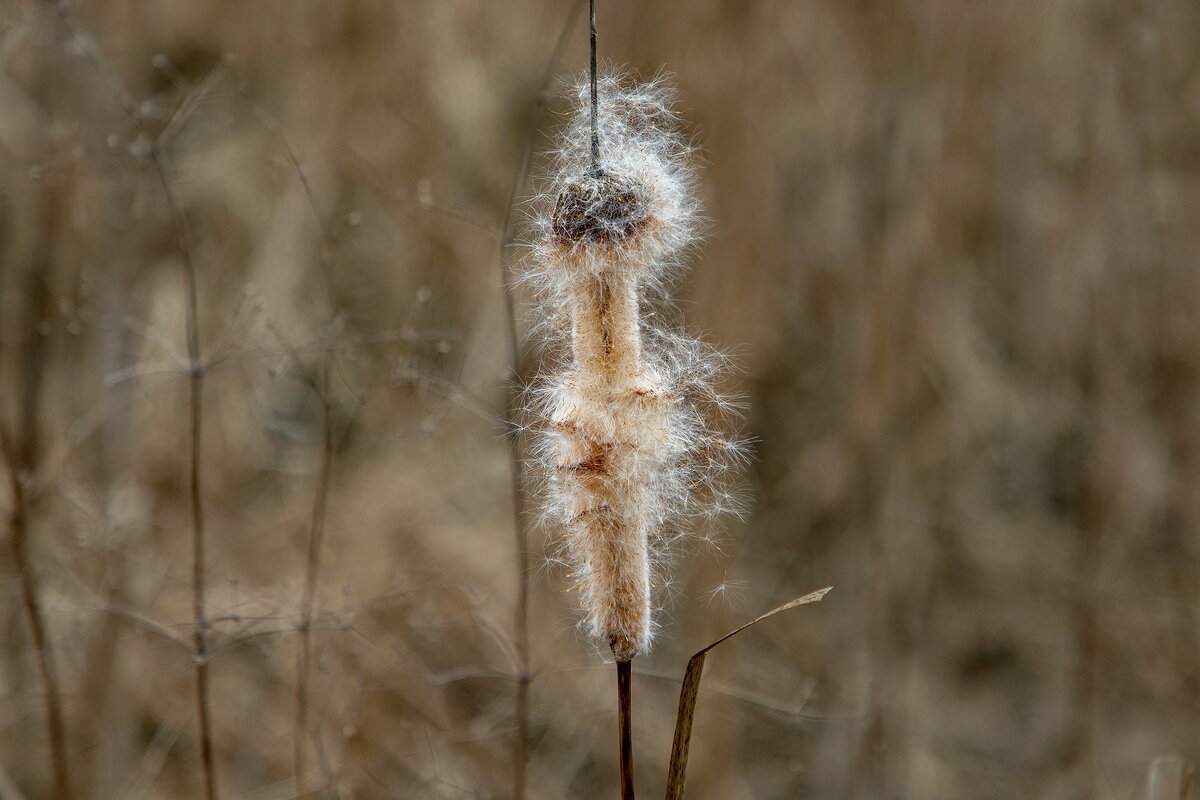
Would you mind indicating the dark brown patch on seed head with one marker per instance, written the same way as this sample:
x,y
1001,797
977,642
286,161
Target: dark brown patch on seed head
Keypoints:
x,y
599,209
598,459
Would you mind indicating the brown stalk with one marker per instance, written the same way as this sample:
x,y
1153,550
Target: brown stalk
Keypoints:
x,y
624,726
21,454
196,396
200,654
315,537
18,526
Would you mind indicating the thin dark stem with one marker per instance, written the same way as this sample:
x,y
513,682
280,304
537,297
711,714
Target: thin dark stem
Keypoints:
x,y
316,536
196,384
18,524
320,385
200,654
520,768
200,640
624,725
22,452
595,99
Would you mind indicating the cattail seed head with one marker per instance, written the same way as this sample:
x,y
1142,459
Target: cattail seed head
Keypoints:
x,y
601,210
629,452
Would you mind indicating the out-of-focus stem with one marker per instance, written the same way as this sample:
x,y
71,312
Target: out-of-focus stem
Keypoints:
x,y
313,562
18,527
199,563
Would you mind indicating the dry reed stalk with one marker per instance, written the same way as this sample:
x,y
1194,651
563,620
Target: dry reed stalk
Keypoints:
x,y
312,565
319,384
200,654
22,455
157,156
51,699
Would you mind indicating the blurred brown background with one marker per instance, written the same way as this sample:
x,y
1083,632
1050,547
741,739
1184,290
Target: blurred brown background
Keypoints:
x,y
953,245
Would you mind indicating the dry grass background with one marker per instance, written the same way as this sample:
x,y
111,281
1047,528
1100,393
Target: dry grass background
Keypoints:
x,y
954,245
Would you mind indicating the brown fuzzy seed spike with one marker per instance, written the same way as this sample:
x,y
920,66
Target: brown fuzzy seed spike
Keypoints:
x,y
603,209
629,457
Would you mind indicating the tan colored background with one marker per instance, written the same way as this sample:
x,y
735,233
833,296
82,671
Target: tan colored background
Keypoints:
x,y
954,246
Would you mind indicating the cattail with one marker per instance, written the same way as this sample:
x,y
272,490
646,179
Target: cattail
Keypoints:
x,y
629,457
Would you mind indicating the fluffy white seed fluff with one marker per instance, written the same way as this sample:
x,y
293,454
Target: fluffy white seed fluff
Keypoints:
x,y
629,444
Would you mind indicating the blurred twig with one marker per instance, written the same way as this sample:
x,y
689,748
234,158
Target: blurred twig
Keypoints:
x,y
1169,778
153,757
512,407
196,384
312,564
402,196
158,158
8,787
18,527
327,240
320,386
21,452
452,392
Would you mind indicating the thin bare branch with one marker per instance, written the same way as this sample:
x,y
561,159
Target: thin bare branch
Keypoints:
x,y
18,528
312,565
